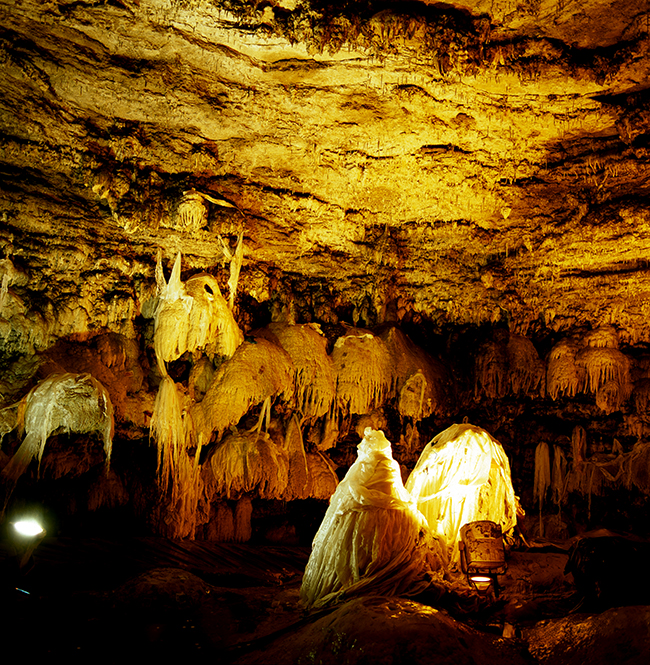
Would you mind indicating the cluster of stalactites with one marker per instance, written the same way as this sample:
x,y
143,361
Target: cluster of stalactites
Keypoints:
x,y
373,369
507,366
593,364
588,474
192,317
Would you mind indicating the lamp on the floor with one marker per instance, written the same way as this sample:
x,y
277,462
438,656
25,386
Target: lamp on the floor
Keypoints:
x,y
482,555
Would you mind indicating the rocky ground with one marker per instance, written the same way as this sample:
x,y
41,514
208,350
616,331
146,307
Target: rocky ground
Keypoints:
x,y
220,603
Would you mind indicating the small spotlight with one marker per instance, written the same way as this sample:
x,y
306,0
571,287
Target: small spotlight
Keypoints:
x,y
29,528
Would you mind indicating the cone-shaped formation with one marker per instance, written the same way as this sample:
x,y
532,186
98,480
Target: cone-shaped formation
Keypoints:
x,y
463,475
372,538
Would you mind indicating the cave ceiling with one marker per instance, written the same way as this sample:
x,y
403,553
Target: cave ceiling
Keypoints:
x,y
460,163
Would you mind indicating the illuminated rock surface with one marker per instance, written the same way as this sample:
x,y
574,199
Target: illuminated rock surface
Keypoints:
x,y
475,173
479,162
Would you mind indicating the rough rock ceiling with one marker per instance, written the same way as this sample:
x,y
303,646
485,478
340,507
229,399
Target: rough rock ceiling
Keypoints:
x,y
470,162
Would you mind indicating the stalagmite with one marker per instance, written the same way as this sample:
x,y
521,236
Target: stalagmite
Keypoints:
x,y
297,459
542,478
559,476
463,475
372,539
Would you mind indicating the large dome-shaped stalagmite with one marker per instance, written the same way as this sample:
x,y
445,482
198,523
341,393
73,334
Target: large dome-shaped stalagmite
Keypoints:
x,y
262,227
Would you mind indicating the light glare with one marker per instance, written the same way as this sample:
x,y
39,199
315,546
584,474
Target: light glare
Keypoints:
x,y
28,527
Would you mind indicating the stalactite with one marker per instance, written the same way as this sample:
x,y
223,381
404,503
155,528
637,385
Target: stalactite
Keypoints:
x,y
363,371
563,376
525,369
542,478
250,462
491,370
559,476
258,369
67,402
314,375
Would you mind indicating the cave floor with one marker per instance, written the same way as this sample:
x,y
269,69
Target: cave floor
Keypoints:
x,y
111,600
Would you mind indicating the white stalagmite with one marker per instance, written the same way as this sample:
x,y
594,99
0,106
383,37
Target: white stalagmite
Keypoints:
x,y
62,402
463,475
372,539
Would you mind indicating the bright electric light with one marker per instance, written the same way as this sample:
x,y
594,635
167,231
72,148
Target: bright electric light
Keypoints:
x,y
481,582
28,527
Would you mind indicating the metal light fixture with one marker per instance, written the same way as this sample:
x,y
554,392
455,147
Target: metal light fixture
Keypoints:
x,y
482,555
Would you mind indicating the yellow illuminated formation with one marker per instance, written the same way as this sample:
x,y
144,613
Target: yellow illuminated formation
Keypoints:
x,y
463,475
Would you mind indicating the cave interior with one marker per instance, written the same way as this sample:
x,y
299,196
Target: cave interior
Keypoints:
x,y
236,234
